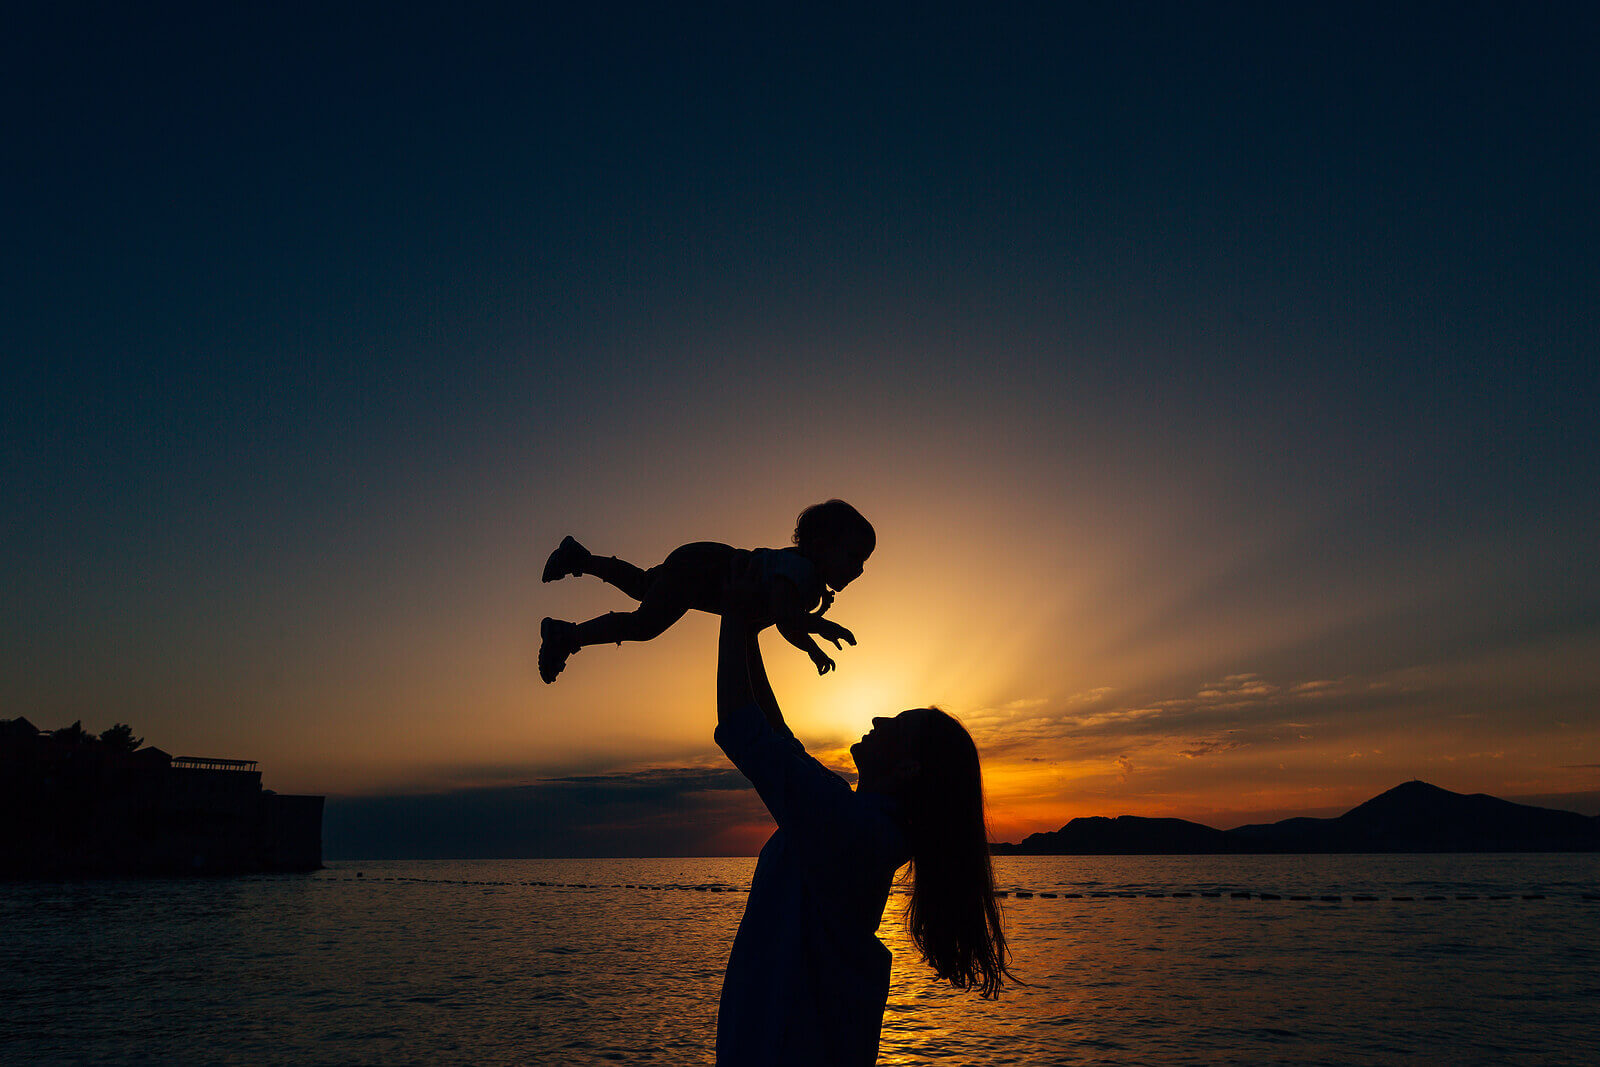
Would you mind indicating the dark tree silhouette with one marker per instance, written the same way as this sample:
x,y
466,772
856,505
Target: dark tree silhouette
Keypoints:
x,y
120,738
73,735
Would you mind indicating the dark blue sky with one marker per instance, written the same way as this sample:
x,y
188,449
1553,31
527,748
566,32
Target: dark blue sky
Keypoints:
x,y
281,232
317,318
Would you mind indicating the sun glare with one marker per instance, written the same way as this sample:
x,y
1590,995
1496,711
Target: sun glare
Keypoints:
x,y
851,704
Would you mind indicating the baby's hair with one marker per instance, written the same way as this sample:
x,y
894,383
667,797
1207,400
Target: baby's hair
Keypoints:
x,y
831,520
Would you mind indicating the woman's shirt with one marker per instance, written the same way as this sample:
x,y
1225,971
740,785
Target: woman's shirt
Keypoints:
x,y
808,978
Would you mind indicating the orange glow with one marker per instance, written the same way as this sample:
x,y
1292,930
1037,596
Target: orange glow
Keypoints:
x,y
1050,636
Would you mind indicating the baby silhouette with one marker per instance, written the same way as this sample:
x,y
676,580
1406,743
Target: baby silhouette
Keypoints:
x,y
831,545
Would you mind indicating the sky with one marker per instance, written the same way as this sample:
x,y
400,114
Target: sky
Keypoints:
x,y
1219,379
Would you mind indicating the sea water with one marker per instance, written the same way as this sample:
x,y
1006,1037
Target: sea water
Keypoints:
x,y
620,961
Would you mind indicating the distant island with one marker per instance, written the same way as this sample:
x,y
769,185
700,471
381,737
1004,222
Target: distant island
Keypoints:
x,y
1413,817
76,804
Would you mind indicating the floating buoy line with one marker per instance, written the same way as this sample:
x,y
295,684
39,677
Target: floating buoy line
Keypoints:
x,y
1013,894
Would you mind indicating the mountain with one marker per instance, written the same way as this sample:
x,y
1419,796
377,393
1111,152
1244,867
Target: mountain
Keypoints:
x,y
1100,836
1412,817
1418,817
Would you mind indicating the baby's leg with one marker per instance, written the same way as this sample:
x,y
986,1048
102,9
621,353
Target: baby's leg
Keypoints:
x,y
632,580
666,601
572,558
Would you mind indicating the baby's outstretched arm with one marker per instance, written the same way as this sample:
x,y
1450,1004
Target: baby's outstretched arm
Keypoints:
x,y
796,634
797,625
794,623
829,630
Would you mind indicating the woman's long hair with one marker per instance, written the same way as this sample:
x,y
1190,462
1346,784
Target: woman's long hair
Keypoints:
x,y
952,916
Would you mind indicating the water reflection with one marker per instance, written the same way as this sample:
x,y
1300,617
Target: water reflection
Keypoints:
x,y
449,969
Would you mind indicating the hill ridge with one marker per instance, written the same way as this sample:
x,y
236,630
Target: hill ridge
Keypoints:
x,y
1414,816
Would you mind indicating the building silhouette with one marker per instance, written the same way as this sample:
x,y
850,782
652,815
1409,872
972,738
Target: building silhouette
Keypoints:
x,y
73,805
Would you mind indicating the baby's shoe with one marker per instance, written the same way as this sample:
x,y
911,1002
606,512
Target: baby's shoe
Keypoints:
x,y
558,641
568,558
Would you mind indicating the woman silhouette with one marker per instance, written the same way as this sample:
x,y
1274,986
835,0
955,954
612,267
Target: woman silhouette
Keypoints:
x,y
808,979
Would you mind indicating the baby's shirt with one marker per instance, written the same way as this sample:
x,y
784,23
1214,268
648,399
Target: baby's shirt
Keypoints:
x,y
788,563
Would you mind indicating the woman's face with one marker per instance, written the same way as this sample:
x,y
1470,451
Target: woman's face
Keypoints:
x,y
887,754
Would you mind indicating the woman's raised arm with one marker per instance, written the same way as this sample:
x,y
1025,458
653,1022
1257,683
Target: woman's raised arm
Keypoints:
x,y
750,728
741,674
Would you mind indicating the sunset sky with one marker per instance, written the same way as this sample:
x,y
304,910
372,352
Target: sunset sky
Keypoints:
x,y
1221,381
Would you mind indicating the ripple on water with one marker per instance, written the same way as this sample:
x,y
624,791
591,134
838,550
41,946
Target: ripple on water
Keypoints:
x,y
432,965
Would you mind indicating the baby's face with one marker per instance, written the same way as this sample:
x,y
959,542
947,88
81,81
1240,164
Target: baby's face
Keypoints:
x,y
841,563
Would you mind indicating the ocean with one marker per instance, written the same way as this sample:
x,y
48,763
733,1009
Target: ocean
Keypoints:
x,y
571,962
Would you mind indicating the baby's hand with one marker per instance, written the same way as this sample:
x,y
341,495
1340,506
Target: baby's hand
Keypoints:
x,y
824,664
829,630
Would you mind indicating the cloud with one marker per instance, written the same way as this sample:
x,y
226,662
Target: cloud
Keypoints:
x,y
1232,711
1198,749
1075,736
1236,690
654,781
1248,707
1124,768
673,811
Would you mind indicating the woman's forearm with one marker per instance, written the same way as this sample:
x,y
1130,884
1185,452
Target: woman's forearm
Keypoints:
x,y
742,684
735,692
760,687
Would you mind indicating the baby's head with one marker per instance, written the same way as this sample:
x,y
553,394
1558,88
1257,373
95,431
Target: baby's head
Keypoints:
x,y
835,537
